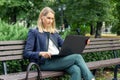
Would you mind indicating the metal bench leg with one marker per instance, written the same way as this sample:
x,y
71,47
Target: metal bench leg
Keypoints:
x,y
94,71
115,72
4,67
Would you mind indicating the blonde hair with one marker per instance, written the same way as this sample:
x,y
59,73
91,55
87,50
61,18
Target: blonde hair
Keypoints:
x,y
44,12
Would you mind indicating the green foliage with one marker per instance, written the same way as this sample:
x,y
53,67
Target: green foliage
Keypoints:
x,y
12,32
116,23
26,10
13,66
73,31
83,29
77,12
97,56
86,11
116,28
65,33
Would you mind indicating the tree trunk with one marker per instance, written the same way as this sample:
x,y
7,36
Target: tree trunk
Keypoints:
x,y
98,30
118,33
92,29
13,16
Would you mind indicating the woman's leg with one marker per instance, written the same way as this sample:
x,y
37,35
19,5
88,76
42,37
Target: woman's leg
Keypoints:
x,y
75,72
79,61
63,63
60,63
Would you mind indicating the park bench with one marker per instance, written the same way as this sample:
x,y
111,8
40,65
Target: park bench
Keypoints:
x,y
13,50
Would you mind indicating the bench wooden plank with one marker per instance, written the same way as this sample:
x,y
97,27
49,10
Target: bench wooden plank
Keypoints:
x,y
103,39
100,49
47,74
32,75
102,46
11,47
12,42
7,53
103,42
14,57
103,63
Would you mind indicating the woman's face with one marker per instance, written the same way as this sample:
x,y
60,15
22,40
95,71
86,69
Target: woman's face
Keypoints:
x,y
48,20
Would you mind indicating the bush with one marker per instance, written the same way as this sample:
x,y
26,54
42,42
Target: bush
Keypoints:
x,y
82,30
116,29
12,32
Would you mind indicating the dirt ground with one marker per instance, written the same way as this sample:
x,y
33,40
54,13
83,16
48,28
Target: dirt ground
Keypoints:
x,y
106,74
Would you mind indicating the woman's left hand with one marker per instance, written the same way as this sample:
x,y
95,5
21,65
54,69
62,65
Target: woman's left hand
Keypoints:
x,y
88,41
45,54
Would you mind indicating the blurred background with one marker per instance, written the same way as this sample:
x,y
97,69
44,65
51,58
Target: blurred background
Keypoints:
x,y
91,17
94,18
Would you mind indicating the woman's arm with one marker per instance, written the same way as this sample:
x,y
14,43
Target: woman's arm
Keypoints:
x,y
30,45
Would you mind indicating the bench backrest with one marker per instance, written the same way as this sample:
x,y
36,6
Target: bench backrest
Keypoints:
x,y
102,44
10,50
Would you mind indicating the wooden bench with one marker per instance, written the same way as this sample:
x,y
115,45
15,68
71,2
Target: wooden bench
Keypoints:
x,y
13,50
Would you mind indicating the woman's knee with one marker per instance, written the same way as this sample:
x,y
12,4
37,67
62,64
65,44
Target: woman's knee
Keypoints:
x,y
74,69
77,56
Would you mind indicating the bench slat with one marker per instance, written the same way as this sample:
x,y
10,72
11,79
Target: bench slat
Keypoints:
x,y
12,42
100,49
103,42
101,46
6,58
7,53
32,75
103,63
13,47
104,39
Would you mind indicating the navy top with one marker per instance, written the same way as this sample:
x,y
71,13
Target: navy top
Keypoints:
x,y
37,42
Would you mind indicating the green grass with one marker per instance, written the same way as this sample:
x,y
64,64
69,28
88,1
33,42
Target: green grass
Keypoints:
x,y
106,74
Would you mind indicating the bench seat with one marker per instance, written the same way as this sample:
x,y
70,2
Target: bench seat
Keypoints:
x,y
103,63
32,75
46,74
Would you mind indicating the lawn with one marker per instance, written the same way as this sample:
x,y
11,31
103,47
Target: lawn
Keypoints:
x,y
106,74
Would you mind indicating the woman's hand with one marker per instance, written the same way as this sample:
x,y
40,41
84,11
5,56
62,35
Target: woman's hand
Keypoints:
x,y
45,54
88,41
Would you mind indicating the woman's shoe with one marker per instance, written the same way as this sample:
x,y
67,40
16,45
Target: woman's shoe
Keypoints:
x,y
93,79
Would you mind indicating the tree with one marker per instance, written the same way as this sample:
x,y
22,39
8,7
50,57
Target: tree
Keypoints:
x,y
78,12
10,9
15,10
116,24
89,12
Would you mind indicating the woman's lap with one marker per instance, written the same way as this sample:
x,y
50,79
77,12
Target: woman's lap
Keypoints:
x,y
59,63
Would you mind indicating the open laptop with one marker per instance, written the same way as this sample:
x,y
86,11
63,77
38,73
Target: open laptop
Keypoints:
x,y
73,44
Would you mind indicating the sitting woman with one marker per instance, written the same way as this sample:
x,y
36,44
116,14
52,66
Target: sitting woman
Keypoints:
x,y
39,47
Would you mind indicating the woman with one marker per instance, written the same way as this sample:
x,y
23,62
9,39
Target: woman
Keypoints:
x,y
39,48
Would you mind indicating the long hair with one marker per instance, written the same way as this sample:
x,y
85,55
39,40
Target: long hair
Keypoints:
x,y
44,12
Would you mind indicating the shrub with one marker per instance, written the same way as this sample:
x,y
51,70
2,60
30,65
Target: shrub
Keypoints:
x,y
12,32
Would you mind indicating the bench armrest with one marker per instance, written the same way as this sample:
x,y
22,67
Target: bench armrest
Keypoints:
x,y
39,77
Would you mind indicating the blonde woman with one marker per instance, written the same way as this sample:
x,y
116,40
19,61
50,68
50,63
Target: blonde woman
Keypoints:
x,y
45,40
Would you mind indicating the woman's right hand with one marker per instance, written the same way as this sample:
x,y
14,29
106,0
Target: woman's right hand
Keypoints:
x,y
45,54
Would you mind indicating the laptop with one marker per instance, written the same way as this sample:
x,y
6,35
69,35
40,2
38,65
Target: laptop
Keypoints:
x,y
73,44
